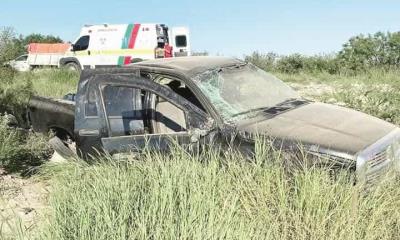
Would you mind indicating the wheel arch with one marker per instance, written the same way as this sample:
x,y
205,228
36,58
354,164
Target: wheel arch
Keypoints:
x,y
61,133
66,60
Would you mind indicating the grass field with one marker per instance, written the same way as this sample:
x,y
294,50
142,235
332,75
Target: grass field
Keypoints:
x,y
210,197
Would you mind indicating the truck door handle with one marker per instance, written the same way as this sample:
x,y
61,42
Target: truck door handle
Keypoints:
x,y
88,52
88,132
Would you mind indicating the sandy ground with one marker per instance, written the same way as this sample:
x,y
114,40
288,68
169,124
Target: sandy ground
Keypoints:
x,y
22,203
312,90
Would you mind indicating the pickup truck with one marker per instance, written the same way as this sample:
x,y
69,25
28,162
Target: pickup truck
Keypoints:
x,y
209,100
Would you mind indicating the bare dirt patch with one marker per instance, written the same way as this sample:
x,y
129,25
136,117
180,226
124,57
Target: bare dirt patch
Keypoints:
x,y
312,90
22,203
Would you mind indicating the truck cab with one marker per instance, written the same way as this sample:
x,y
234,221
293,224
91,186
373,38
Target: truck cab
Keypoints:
x,y
123,110
19,64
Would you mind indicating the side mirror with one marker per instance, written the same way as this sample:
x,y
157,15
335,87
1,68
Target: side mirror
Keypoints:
x,y
74,47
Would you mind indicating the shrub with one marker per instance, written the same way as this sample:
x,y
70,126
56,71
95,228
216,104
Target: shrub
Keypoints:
x,y
378,50
14,95
21,149
291,64
264,61
359,54
294,63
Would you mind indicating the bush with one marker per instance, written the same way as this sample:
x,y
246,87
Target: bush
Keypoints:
x,y
264,61
294,63
8,47
291,64
379,50
14,95
20,149
360,54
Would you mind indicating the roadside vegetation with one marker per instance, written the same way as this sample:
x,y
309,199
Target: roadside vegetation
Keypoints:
x,y
209,196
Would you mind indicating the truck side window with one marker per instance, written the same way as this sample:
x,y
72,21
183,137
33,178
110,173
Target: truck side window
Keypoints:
x,y
182,90
124,110
91,104
82,43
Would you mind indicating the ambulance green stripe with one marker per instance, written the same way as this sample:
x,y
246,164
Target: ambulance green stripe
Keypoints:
x,y
125,42
121,60
128,34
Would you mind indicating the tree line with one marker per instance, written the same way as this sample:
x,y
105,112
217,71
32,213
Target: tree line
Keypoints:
x,y
13,45
358,54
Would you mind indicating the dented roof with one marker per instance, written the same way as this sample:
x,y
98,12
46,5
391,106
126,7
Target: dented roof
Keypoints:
x,y
190,65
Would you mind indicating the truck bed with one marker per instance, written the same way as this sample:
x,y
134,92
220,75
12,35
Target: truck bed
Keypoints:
x,y
47,114
44,59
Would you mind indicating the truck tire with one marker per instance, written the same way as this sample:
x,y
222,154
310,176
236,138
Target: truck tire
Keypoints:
x,y
73,67
61,148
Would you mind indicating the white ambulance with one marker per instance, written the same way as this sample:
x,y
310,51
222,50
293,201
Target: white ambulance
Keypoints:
x,y
110,45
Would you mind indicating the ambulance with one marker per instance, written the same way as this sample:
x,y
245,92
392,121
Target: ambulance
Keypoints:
x,y
112,45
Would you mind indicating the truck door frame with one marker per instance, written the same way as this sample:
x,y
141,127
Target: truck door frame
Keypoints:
x,y
197,120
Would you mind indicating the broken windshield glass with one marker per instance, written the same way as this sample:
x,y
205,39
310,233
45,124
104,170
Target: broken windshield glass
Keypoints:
x,y
239,91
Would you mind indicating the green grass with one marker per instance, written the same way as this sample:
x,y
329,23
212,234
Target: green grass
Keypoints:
x,y
21,150
210,197
50,82
372,77
376,92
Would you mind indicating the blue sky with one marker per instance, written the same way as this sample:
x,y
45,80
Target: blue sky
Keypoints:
x,y
229,28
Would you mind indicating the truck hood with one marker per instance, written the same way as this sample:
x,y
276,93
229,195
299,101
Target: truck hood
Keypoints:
x,y
325,125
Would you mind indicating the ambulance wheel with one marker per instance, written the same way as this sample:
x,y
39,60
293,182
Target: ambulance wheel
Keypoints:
x,y
72,67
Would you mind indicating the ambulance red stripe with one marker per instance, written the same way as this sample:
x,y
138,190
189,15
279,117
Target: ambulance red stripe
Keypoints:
x,y
127,60
133,37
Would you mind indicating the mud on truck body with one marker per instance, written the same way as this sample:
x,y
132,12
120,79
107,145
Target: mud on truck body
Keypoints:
x,y
209,100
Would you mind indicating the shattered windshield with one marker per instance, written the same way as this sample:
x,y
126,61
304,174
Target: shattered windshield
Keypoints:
x,y
238,92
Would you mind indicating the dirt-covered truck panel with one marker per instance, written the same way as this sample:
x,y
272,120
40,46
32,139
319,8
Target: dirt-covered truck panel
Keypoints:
x,y
208,100
47,114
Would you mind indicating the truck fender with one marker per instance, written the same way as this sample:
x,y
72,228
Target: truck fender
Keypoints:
x,y
64,61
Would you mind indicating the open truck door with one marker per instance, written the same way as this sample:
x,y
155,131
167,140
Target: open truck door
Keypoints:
x,y
179,38
133,113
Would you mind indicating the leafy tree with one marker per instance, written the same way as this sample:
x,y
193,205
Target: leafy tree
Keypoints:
x,y
365,51
8,47
22,42
12,46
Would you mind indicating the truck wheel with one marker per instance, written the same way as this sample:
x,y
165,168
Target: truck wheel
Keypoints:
x,y
73,67
61,148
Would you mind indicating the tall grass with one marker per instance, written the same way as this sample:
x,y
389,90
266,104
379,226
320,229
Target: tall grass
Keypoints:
x,y
50,82
206,196
19,149
376,92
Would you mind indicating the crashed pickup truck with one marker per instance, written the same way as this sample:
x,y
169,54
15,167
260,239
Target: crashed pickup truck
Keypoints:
x,y
204,100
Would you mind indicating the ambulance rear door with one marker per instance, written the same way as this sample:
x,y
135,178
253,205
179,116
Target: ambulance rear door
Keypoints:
x,y
179,38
